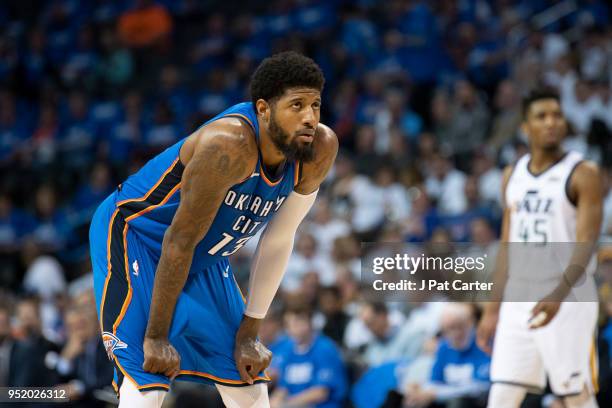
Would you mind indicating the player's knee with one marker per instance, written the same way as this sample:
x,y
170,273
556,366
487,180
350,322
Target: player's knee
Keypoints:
x,y
131,397
253,396
583,400
506,396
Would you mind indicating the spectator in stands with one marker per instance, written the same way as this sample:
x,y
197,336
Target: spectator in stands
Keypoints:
x,y
6,343
82,364
209,52
390,342
423,217
367,159
78,69
127,133
395,200
115,66
79,135
507,117
446,185
172,90
489,177
345,254
579,103
13,129
147,24
311,371
325,226
52,229
27,366
307,258
15,224
88,197
470,122
395,114
164,130
460,375
42,145
45,278
336,319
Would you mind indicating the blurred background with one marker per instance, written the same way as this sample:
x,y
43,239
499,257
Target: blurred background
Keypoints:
x,y
425,99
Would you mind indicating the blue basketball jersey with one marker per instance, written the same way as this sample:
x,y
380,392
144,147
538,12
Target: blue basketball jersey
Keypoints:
x,y
149,199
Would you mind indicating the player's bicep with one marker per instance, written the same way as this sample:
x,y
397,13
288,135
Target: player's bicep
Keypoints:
x,y
589,196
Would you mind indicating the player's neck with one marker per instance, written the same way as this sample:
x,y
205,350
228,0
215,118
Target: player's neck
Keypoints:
x,y
542,159
270,156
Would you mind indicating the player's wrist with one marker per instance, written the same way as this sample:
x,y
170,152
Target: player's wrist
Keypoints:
x,y
249,327
155,336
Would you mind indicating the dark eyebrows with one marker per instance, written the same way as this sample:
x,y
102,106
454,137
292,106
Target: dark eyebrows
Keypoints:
x,y
299,98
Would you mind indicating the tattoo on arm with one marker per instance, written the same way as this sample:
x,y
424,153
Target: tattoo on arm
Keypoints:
x,y
213,169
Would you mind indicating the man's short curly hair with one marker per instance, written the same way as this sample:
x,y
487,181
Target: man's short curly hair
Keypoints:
x,y
284,70
536,95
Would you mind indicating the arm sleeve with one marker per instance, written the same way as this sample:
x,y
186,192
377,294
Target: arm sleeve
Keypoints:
x,y
272,254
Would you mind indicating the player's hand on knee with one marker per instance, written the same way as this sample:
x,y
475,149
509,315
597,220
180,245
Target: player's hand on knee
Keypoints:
x,y
486,331
160,357
251,357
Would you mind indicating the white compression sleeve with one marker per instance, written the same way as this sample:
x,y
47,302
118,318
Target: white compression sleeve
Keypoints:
x,y
273,250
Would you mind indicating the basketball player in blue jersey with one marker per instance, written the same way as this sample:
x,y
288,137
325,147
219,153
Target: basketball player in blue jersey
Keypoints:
x,y
168,303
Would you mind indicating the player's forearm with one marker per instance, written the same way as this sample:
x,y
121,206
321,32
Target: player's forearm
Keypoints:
x,y
273,251
588,226
500,277
170,278
579,261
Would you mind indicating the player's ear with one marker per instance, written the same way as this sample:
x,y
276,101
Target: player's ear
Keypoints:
x,y
263,109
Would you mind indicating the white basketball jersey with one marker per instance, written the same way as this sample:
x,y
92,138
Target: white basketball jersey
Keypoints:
x,y
540,209
543,218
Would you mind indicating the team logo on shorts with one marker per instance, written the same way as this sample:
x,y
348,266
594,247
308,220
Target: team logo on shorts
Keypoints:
x,y
112,343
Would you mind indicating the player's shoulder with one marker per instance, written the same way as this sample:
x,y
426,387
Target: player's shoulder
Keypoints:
x,y
229,135
586,168
326,140
225,141
586,175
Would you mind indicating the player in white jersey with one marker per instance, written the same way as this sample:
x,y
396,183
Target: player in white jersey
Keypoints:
x,y
550,196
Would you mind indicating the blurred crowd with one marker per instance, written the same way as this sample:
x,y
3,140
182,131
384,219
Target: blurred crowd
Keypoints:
x,y
425,99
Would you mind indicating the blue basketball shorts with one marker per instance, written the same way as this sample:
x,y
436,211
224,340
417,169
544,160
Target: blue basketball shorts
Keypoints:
x,y
207,315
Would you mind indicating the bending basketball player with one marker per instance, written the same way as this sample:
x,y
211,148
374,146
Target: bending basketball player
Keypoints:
x,y
168,303
552,198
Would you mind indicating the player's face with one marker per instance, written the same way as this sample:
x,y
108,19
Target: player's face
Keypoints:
x,y
294,118
545,124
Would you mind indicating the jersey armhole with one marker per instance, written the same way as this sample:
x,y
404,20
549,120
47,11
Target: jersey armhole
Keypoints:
x,y
567,183
246,120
